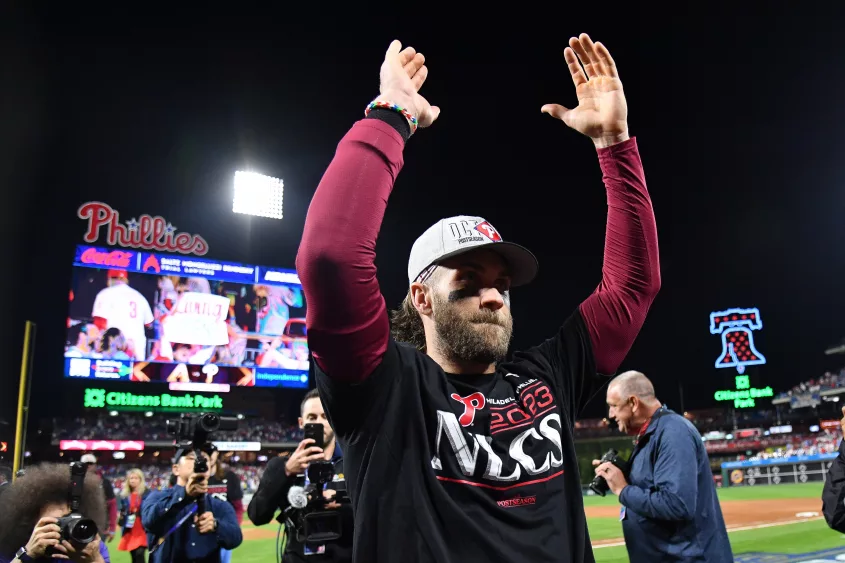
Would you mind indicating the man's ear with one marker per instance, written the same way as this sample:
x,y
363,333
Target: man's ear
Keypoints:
x,y
421,298
635,403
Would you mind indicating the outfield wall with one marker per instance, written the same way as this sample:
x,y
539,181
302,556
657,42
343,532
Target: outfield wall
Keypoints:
x,y
793,469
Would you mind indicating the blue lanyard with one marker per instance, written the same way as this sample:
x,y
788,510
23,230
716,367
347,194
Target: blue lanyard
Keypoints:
x,y
174,528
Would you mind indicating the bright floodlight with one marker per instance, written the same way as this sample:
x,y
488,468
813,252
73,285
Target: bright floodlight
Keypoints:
x,y
258,195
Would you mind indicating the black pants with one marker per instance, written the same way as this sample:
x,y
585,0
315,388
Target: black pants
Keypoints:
x,y
139,555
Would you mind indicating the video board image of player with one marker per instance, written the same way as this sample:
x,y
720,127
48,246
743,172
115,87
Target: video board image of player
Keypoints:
x,y
108,317
120,315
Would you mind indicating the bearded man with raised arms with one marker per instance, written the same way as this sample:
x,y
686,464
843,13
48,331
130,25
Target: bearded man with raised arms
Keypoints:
x,y
455,454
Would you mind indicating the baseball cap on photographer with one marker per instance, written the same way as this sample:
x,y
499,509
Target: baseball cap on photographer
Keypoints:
x,y
464,233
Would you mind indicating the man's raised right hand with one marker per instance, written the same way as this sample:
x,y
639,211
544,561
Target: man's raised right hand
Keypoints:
x,y
403,73
45,534
302,456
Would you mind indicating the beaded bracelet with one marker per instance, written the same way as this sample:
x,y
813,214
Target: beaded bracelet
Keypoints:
x,y
412,121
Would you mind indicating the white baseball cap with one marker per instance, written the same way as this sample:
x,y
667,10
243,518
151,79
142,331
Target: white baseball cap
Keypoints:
x,y
464,233
88,458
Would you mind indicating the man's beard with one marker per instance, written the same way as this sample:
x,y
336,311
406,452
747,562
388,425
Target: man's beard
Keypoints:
x,y
481,337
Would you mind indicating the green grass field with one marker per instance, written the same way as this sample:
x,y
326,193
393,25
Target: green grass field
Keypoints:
x,y
801,537
804,537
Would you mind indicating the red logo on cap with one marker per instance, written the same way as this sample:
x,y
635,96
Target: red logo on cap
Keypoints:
x,y
488,231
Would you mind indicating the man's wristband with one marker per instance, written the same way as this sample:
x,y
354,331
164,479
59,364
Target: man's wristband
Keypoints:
x,y
23,556
382,104
394,119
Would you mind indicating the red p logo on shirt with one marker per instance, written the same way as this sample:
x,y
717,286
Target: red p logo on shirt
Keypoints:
x,y
471,403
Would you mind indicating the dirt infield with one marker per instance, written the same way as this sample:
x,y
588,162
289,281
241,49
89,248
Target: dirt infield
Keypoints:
x,y
737,513
263,533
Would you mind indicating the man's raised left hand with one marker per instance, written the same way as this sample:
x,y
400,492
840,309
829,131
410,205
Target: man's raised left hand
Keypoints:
x,y
602,112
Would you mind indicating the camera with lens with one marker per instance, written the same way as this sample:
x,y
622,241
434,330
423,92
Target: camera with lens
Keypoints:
x,y
307,514
193,432
599,484
76,528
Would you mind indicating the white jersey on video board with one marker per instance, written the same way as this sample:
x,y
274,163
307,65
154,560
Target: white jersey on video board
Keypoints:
x,y
125,309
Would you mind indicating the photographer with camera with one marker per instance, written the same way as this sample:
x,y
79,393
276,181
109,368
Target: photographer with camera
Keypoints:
x,y
184,523
285,481
90,462
669,506
52,514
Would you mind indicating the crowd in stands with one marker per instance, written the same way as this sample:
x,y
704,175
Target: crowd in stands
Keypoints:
x,y
705,420
152,428
746,444
828,381
799,445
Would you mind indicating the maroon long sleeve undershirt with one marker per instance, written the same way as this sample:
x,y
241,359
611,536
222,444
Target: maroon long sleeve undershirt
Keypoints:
x,y
111,504
238,505
347,319
616,310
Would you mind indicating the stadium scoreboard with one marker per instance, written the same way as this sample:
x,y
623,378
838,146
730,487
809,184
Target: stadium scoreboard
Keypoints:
x,y
138,316
795,469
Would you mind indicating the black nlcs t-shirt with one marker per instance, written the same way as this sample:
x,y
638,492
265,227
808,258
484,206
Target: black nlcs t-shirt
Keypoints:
x,y
228,488
465,468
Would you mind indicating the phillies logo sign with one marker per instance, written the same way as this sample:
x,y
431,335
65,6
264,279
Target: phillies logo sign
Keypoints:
x,y
147,232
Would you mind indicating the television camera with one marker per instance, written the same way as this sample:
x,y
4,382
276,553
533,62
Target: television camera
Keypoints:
x,y
193,433
307,513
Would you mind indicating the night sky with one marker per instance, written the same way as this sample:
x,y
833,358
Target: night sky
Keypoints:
x,y
738,117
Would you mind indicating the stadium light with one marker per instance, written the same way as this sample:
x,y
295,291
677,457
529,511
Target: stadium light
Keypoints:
x,y
258,195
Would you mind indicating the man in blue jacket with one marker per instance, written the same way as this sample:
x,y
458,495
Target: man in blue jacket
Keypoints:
x,y
833,493
670,511
171,518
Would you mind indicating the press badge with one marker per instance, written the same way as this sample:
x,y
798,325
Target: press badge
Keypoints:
x,y
622,513
321,550
130,521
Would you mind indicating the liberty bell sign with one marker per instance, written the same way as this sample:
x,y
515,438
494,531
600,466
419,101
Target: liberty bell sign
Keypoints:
x,y
736,328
